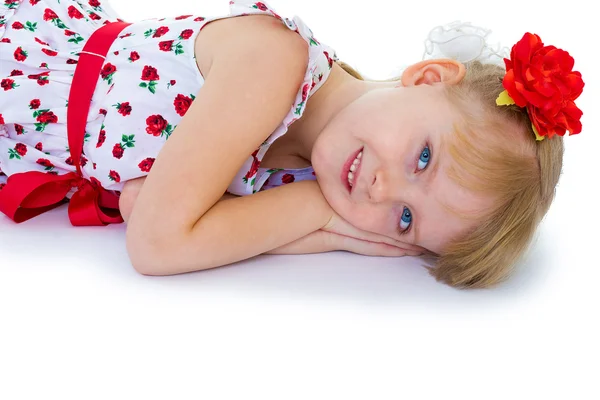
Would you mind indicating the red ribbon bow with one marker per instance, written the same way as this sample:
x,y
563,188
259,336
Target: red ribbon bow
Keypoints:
x,y
29,194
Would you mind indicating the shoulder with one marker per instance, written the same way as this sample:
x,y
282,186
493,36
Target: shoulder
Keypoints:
x,y
240,34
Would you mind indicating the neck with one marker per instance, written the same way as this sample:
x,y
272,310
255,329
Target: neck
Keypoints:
x,y
339,90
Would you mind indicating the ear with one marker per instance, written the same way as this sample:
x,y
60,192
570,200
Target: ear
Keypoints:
x,y
429,72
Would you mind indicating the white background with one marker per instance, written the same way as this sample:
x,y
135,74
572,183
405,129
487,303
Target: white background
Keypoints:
x,y
77,322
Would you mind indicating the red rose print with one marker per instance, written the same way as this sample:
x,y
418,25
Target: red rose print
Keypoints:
x,y
150,74
41,42
166,45
49,15
39,146
261,6
107,70
71,61
16,72
305,92
101,138
182,104
199,19
134,56
94,16
43,65
83,161
20,54
186,34
124,108
182,17
7,84
172,82
102,111
21,149
51,53
74,13
45,162
118,151
156,125
5,40
69,161
94,3
47,117
17,25
288,178
33,2
114,176
126,35
69,33
253,169
146,165
19,129
160,32
34,104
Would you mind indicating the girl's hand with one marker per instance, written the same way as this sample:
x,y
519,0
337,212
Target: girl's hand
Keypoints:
x,y
322,241
340,226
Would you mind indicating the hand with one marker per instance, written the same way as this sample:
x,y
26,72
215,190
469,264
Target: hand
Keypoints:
x,y
321,241
340,226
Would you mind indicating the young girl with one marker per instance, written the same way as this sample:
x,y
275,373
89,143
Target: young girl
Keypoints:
x,y
178,126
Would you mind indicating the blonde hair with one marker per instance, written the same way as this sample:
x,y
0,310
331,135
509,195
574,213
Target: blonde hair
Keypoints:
x,y
494,159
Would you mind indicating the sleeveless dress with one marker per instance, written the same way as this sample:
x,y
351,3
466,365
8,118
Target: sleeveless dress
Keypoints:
x,y
147,83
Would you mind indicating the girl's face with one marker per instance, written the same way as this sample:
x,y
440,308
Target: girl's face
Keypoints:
x,y
400,188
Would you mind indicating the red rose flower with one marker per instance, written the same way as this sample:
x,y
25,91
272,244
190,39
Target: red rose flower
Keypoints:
x,y
83,161
166,45
43,65
71,61
182,104
288,178
45,163
39,146
20,54
47,117
50,53
114,176
160,31
69,161
101,138
21,149
102,111
34,104
542,79
94,16
94,3
156,124
33,2
150,74
107,70
305,92
199,19
19,129
118,151
253,168
5,40
69,33
134,56
125,109
261,6
49,15
41,42
16,72
182,17
74,13
7,84
17,25
43,82
173,82
146,165
186,34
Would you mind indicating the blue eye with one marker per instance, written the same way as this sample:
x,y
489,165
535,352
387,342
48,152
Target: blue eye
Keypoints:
x,y
424,159
406,219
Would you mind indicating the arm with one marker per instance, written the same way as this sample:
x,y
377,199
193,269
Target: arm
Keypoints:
x,y
177,223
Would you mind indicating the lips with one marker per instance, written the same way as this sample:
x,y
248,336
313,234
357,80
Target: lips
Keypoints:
x,y
346,170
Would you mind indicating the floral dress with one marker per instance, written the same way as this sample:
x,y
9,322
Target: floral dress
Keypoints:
x,y
146,86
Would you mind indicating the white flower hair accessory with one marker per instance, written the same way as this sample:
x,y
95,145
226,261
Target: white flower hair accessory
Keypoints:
x,y
463,42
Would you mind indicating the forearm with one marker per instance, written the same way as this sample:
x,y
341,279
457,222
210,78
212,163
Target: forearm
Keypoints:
x,y
243,227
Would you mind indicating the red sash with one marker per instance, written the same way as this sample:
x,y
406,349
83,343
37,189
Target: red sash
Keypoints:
x,y
29,194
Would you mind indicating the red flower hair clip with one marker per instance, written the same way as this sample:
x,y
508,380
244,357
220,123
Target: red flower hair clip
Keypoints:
x,y
541,78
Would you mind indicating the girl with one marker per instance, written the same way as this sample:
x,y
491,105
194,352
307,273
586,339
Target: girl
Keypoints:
x,y
179,126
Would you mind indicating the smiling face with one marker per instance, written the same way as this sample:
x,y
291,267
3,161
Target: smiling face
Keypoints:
x,y
400,187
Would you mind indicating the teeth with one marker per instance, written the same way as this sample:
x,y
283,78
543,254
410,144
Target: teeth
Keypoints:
x,y
353,168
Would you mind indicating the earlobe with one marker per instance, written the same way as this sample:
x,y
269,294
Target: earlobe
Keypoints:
x,y
430,72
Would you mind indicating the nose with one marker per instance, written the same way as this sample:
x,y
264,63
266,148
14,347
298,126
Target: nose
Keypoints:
x,y
387,186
